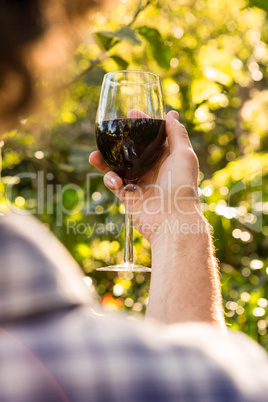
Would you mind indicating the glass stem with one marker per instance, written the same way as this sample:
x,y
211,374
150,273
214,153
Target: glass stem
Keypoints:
x,y
129,202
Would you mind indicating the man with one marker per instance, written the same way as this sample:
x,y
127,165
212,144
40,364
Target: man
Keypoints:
x,y
57,345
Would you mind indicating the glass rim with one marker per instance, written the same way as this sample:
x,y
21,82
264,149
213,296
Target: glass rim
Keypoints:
x,y
111,73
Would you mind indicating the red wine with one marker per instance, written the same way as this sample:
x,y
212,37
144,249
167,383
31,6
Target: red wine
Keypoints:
x,y
131,147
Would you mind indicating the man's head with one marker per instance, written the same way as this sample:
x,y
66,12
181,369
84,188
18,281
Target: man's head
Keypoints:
x,y
23,24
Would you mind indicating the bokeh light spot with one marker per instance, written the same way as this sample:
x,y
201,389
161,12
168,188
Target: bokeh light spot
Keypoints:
x,y
256,264
96,196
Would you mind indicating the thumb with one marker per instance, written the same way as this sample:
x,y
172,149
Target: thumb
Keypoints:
x,y
177,134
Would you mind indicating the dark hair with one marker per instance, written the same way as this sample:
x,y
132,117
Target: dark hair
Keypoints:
x,y
22,24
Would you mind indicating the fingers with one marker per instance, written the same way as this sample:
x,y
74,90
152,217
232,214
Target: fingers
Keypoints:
x,y
177,134
115,184
136,114
96,160
111,179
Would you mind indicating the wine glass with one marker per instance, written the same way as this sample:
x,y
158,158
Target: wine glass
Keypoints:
x,y
130,133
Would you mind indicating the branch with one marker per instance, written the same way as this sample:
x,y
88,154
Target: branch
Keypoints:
x,y
94,63
138,11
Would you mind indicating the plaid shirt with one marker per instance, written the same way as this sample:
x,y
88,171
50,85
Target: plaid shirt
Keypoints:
x,y
57,345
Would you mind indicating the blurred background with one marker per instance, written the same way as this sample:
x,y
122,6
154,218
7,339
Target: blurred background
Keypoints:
x,y
212,56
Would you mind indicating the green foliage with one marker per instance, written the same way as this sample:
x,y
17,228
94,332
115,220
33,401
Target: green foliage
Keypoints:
x,y
259,3
94,78
125,33
105,38
160,51
122,64
241,240
213,60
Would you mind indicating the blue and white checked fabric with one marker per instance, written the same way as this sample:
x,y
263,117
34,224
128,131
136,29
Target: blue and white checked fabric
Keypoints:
x,y
56,344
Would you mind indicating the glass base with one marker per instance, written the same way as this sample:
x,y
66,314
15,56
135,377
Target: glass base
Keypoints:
x,y
128,267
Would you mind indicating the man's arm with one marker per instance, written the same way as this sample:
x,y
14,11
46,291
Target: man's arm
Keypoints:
x,y
185,282
185,279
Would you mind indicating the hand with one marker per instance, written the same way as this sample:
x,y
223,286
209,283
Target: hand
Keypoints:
x,y
168,190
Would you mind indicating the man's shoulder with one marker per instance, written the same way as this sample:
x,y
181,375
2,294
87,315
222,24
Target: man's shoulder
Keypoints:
x,y
105,354
37,274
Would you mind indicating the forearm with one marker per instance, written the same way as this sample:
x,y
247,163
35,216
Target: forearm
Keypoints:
x,y
185,282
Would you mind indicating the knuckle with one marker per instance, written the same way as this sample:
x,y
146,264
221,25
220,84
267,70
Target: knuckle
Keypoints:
x,y
188,158
194,156
188,153
183,131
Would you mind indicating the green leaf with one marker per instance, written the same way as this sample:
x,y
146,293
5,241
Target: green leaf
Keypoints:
x,y
94,78
125,33
259,3
160,52
123,64
104,40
